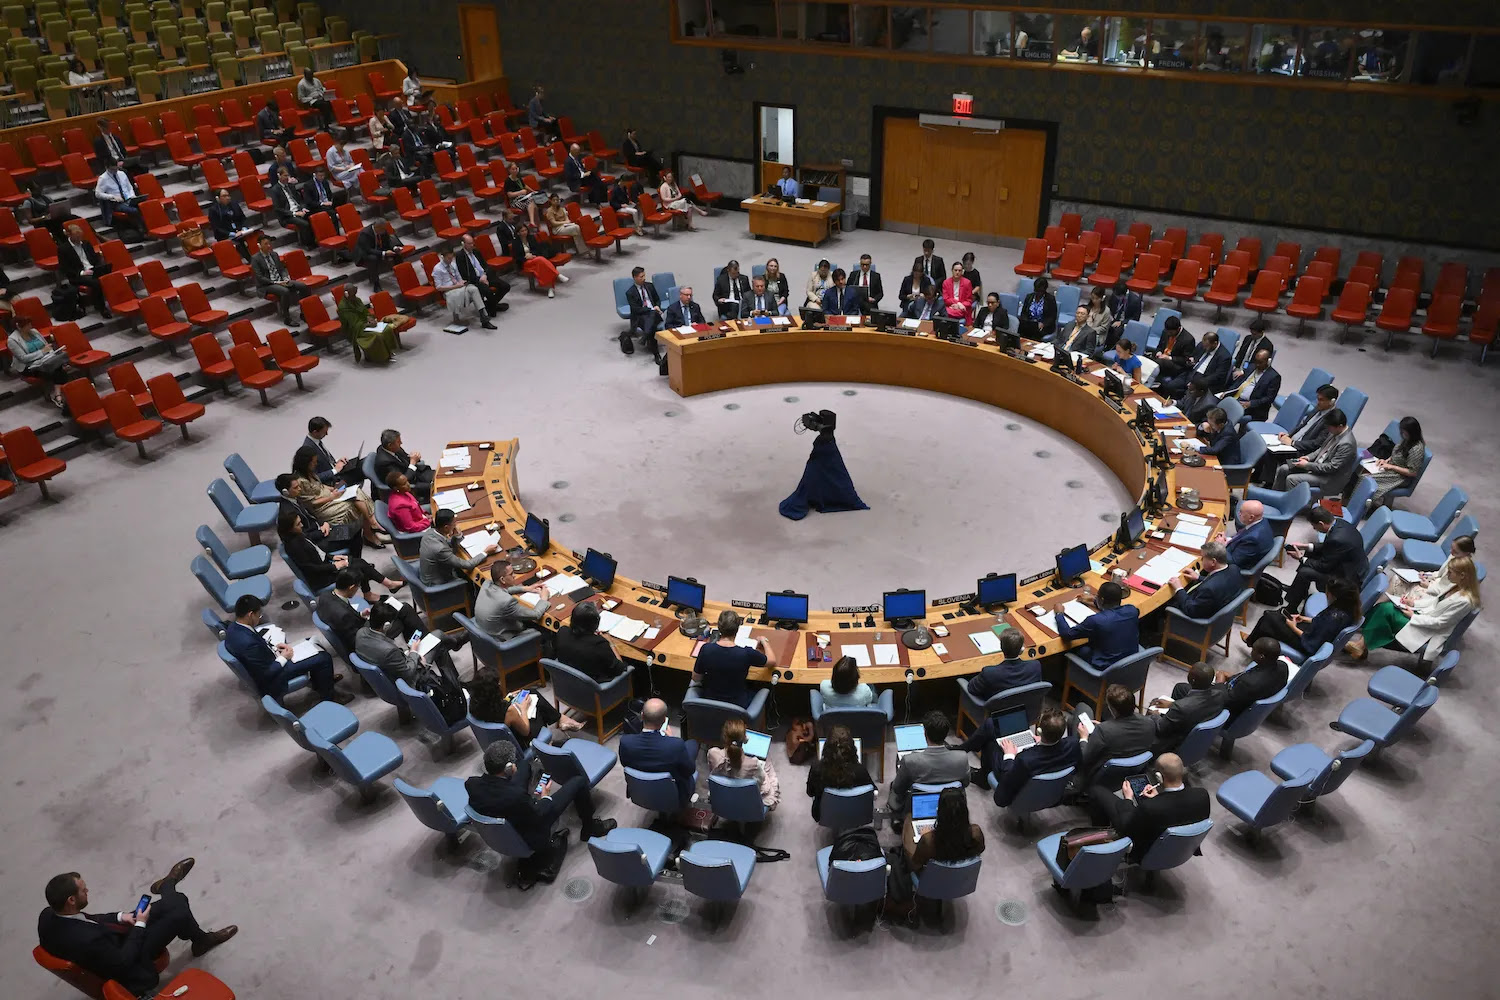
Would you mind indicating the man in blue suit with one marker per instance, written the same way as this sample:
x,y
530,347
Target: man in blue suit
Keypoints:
x,y
1217,438
683,312
1210,589
1212,362
272,668
1254,539
1112,633
840,299
1009,673
1054,750
656,749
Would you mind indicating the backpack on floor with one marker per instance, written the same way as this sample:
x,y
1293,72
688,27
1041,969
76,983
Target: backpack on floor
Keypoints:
x,y
446,691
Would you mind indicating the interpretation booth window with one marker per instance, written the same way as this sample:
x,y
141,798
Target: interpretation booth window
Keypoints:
x,y
1174,45
992,33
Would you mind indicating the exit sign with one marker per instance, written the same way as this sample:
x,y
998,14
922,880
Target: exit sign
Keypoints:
x,y
963,104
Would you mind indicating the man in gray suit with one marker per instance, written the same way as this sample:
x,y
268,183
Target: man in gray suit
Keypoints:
x,y
380,643
1124,734
1331,466
934,764
1079,337
438,562
497,611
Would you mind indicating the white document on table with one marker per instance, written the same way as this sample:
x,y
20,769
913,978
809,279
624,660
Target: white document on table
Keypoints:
x,y
910,324
686,331
304,649
273,634
478,541
940,649
1172,432
1038,612
1163,409
529,599
1409,575
861,654
887,654
627,628
607,620
985,641
563,583
1185,536
457,462
651,633
743,636
1076,611
781,321
454,500
1191,519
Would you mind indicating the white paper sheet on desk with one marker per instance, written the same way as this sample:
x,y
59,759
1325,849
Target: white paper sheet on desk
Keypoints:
x,y
1038,612
803,201
454,500
1163,409
478,541
429,643
1191,519
1043,351
607,620
1172,432
457,463
940,649
686,331
651,633
350,493
886,654
1076,611
985,641
529,599
1162,568
743,636
910,324
978,332
1370,465
1187,539
627,629
562,583
861,654
304,649
781,321
820,204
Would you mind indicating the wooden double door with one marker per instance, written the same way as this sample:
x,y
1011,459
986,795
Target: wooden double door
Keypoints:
x,y
959,181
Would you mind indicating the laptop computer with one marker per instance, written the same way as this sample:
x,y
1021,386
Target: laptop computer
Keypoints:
x,y
923,813
909,738
859,752
1011,724
757,744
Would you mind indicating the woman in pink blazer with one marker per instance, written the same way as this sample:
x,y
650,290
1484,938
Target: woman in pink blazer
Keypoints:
x,y
404,507
958,294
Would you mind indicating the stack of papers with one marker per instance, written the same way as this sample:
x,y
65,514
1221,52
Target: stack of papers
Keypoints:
x,y
1187,444
1161,569
304,649
273,634
861,654
986,641
627,628
743,637
1163,409
910,324
454,458
350,493
563,583
1273,443
529,599
454,500
479,541
781,320
1189,534
1075,612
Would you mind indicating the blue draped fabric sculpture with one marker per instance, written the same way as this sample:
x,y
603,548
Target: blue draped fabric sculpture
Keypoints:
x,y
825,484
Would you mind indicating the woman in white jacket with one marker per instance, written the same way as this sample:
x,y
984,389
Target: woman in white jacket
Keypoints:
x,y
1425,619
1463,545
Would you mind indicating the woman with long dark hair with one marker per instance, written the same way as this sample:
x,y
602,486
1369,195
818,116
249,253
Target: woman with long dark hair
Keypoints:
x,y
324,499
952,837
844,689
1404,465
1307,634
838,767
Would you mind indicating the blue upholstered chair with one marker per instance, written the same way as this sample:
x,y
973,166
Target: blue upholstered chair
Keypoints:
x,y
378,489
1130,673
576,757
1352,401
735,799
851,883
1194,746
300,586
254,489
846,808
1158,327
498,835
1430,556
241,565
1252,450
408,544
1290,410
1379,560
1175,846
251,520
1260,801
1027,696
518,660
716,870
1354,508
429,718
622,306
1067,299
665,281
630,857
1092,866
1430,527
1399,687
225,593
383,686
1115,770
1252,575
368,758
486,733
865,724
1375,527
1041,791
655,791
577,690
706,717
1229,339
334,642
1315,378
443,807
1307,669
1408,489
1232,410
213,623
1331,772
330,720
944,881
436,601
243,676
1201,634
1281,506
1369,719
1012,304
1248,721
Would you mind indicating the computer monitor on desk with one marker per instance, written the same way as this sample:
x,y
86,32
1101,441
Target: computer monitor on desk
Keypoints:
x,y
538,534
598,568
1071,565
882,320
686,594
902,608
812,318
1114,385
946,328
995,591
786,609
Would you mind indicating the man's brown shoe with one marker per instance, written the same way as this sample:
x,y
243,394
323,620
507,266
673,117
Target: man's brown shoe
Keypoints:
x,y
213,939
177,874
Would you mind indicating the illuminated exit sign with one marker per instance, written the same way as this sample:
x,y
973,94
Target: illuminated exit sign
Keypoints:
x,y
963,104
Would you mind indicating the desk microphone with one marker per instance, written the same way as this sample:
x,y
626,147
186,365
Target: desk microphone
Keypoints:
x,y
775,677
910,677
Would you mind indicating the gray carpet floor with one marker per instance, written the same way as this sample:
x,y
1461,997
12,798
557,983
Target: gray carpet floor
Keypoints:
x,y
127,745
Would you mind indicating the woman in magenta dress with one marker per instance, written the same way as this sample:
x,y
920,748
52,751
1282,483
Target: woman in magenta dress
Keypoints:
x,y
958,294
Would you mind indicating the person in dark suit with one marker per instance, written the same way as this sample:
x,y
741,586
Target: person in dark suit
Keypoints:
x,y
1125,306
416,151
581,180
1308,435
730,289
1037,316
683,312
1306,635
1197,400
1124,733
1174,353
867,281
320,569
913,286
761,301
1330,468
377,248
272,668
1209,588
839,299
391,457
935,764
1256,389
992,315
1216,437
580,646
646,315
1249,346
320,194
401,119
272,277
110,151
473,269
1009,673
399,172
329,468
656,749
122,946
640,157
1211,362
227,221
1113,632
1266,675
347,538
80,263
1254,539
1193,702
287,201
930,264
337,610
1055,748
928,305
1338,554
269,125
1146,817
505,792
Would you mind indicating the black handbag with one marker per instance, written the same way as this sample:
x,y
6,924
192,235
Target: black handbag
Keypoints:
x,y
1382,446
1269,591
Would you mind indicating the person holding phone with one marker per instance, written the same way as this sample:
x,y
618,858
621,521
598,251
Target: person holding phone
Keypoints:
x,y
123,946
1164,802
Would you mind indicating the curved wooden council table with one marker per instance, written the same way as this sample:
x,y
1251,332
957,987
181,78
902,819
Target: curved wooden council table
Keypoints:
x,y
736,354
